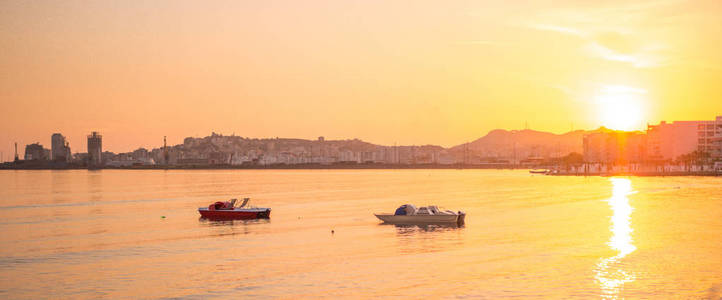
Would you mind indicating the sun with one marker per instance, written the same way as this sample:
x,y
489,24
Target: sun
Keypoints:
x,y
621,107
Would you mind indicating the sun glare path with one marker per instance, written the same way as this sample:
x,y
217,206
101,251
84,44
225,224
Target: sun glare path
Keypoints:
x,y
610,273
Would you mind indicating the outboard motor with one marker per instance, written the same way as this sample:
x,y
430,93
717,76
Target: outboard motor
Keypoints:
x,y
460,219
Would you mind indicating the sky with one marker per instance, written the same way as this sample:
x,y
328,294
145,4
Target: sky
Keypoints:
x,y
406,72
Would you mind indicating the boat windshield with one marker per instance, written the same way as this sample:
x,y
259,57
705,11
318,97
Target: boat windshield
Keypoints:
x,y
424,211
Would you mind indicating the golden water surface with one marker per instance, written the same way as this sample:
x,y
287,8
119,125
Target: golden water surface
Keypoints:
x,y
137,234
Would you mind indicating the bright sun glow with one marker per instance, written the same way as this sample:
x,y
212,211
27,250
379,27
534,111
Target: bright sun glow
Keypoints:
x,y
621,107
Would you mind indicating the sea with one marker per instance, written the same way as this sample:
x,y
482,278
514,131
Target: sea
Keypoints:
x,y
137,234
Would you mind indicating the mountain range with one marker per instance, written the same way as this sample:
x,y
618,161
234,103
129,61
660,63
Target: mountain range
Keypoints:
x,y
525,143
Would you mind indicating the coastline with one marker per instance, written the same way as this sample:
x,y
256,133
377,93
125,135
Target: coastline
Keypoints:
x,y
366,166
270,167
642,174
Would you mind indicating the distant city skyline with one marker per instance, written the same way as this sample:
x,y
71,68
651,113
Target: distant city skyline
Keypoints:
x,y
81,147
79,140
667,141
121,142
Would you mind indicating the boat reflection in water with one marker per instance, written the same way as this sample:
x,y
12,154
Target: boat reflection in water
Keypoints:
x,y
424,227
609,271
230,222
427,238
228,228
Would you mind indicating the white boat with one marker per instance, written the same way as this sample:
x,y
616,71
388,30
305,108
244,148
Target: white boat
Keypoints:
x,y
409,214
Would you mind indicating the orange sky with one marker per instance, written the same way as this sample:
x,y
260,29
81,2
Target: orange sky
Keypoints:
x,y
411,72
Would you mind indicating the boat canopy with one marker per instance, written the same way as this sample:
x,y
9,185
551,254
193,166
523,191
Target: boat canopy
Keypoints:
x,y
221,205
406,209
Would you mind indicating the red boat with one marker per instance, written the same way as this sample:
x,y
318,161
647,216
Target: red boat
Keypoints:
x,y
227,210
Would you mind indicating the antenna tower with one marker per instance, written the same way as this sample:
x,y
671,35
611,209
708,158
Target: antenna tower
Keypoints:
x,y
165,151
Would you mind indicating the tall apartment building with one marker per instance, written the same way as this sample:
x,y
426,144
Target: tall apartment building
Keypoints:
x,y
59,149
95,149
667,141
709,137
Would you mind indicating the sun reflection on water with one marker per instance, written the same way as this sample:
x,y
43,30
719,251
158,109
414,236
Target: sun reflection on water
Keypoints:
x,y
610,271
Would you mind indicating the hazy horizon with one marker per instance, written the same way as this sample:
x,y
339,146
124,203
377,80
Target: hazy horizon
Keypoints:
x,y
418,72
160,144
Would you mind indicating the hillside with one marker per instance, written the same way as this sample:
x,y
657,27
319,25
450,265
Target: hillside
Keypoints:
x,y
524,143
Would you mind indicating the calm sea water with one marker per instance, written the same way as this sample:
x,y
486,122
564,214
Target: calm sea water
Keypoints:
x,y
91,234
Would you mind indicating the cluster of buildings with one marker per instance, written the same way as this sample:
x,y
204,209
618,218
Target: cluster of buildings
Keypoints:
x,y
217,150
59,153
234,150
679,142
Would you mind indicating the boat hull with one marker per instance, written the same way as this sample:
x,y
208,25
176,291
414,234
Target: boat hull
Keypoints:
x,y
253,213
419,219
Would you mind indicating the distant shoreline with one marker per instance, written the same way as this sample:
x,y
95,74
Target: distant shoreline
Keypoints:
x,y
271,167
643,174
368,166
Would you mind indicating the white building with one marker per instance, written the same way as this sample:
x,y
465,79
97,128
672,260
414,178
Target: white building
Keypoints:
x,y
667,141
